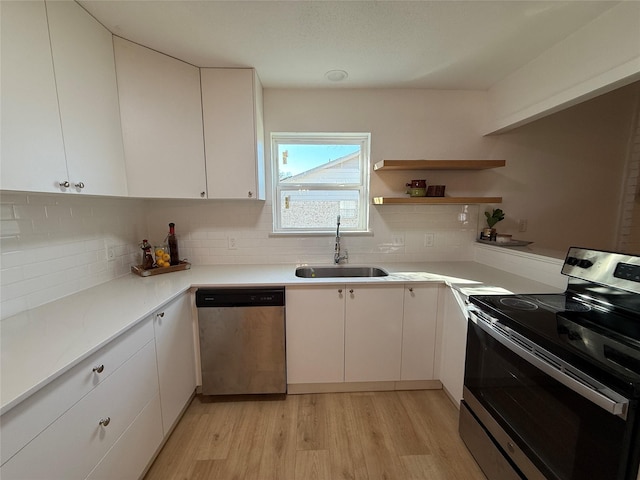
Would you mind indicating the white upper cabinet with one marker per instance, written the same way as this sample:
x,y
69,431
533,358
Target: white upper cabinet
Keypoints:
x,y
32,150
161,113
233,133
60,117
88,95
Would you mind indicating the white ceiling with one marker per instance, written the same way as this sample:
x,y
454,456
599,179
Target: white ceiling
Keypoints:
x,y
425,44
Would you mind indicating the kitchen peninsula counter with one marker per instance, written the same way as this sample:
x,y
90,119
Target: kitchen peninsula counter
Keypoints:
x,y
41,344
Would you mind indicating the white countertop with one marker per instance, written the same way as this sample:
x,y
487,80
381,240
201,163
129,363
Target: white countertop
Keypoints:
x,y
41,344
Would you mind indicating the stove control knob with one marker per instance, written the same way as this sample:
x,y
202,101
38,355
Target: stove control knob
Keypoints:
x,y
572,261
585,263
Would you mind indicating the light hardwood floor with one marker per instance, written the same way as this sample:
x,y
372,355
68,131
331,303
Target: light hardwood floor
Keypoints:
x,y
383,435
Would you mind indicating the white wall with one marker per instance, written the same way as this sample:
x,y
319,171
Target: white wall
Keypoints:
x,y
600,57
565,173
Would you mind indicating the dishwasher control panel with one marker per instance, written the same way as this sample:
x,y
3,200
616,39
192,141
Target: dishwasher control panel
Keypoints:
x,y
240,297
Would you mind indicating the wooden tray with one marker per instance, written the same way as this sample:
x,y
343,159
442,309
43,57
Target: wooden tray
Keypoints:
x,y
138,270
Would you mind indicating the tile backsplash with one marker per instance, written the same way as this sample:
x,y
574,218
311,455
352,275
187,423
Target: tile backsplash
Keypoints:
x,y
54,245
239,232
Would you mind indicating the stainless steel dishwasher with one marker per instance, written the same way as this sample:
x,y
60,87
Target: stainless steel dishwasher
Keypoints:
x,y
242,340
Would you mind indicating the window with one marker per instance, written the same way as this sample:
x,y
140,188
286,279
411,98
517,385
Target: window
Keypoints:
x,y
318,176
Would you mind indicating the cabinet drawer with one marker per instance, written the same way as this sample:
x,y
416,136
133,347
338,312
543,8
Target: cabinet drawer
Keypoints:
x,y
74,444
130,455
23,423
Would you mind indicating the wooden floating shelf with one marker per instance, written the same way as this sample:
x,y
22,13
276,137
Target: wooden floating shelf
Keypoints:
x,y
433,200
388,165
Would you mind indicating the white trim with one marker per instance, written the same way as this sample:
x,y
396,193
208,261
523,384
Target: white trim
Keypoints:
x,y
319,138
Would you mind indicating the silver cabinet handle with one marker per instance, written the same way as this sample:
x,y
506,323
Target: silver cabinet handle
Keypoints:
x,y
65,184
160,315
98,369
80,185
104,421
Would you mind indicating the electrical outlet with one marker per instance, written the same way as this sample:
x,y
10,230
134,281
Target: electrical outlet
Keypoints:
x,y
397,239
232,243
428,239
522,225
111,254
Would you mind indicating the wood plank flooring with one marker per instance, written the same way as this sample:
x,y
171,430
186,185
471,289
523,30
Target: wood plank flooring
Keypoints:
x,y
334,436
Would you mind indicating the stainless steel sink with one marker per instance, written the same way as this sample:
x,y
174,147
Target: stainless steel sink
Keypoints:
x,y
337,271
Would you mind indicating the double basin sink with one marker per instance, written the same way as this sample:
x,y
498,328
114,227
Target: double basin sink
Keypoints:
x,y
339,271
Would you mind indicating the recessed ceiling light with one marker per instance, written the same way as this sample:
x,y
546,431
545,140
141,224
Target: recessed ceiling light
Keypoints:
x,y
336,75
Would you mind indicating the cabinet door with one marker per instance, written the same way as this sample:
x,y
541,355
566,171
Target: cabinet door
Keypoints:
x,y
30,417
161,123
86,81
176,358
315,334
75,443
32,150
373,333
454,340
130,455
419,332
233,133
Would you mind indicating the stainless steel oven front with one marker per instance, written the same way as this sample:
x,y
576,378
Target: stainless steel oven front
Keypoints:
x,y
548,420
552,382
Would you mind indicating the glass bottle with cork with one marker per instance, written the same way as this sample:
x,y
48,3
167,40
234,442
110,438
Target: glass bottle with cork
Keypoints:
x,y
172,241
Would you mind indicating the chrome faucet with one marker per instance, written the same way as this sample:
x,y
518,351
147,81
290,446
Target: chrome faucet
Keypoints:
x,y
337,258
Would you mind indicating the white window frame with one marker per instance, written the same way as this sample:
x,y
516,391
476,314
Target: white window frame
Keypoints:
x,y
362,139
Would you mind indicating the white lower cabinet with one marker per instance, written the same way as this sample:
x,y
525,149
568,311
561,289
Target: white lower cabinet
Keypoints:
x,y
131,454
107,416
373,333
26,420
176,358
419,332
315,334
454,340
76,442
360,333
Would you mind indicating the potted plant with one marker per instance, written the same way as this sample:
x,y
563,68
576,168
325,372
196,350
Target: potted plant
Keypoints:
x,y
492,218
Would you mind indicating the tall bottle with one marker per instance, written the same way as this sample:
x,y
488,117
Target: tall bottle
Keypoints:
x,y
173,245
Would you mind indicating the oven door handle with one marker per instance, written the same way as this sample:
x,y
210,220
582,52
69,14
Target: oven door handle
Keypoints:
x,y
590,389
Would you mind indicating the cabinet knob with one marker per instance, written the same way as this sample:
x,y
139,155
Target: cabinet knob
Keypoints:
x,y
411,289
65,184
250,194
202,194
80,185
160,315
105,421
340,291
351,291
98,369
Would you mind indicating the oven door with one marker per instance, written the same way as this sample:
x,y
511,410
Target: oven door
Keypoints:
x,y
546,426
